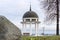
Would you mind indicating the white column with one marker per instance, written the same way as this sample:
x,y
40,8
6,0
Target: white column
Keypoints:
x,y
22,28
25,27
30,27
24,24
35,29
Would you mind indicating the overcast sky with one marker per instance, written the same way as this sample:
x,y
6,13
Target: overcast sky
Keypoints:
x,y
15,9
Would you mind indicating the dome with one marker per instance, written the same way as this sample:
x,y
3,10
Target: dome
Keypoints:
x,y
30,14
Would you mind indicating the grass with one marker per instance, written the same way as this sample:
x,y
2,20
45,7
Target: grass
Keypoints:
x,y
41,38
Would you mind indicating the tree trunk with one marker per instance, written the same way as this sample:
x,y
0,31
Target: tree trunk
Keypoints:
x,y
57,29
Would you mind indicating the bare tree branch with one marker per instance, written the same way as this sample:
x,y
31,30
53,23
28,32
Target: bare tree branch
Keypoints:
x,y
50,7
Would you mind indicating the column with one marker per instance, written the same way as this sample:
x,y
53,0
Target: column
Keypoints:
x,y
22,28
30,27
24,25
36,29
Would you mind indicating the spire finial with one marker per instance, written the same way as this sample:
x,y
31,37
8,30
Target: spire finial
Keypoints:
x,y
30,7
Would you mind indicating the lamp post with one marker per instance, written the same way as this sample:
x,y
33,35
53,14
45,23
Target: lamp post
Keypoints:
x,y
43,30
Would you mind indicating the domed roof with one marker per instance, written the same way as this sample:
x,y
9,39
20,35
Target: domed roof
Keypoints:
x,y
30,14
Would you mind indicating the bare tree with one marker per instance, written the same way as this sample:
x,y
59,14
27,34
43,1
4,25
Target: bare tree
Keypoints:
x,y
52,7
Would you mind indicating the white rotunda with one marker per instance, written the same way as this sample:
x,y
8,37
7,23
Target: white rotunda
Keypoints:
x,y
30,18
